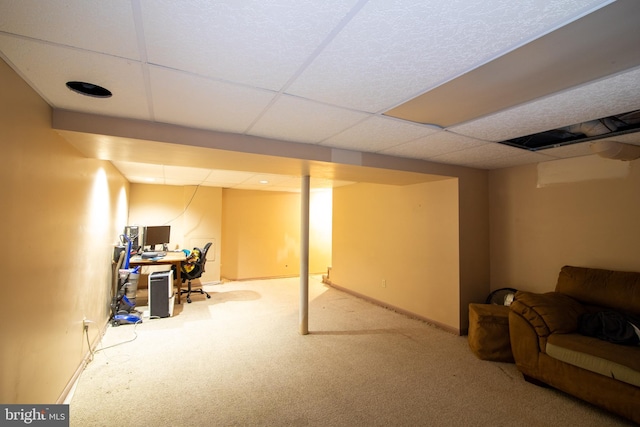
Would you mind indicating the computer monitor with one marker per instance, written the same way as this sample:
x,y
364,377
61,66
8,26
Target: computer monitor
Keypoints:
x,y
157,235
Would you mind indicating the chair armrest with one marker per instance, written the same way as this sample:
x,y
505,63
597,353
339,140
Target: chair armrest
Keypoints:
x,y
548,313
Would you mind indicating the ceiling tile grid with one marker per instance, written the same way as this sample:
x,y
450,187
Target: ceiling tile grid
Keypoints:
x,y
394,49
378,133
48,67
93,25
306,72
189,100
433,145
253,42
485,156
300,120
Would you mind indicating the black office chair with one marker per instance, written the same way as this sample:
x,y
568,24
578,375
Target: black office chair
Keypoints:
x,y
195,273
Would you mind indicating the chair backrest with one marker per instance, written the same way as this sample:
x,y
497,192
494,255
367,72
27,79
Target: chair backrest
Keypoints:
x,y
203,257
199,266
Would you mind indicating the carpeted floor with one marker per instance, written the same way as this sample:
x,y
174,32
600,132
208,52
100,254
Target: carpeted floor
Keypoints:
x,y
237,359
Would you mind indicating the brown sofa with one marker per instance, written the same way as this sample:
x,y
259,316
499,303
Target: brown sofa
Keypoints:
x,y
548,349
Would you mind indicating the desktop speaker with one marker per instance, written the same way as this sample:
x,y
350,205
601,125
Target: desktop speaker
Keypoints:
x,y
161,296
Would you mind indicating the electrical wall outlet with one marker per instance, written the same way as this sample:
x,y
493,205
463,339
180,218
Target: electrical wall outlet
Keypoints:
x,y
384,283
85,324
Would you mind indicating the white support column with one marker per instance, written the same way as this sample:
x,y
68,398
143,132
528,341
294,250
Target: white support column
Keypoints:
x,y
304,255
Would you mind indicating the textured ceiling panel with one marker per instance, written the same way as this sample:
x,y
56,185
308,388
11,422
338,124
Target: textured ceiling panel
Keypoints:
x,y
47,68
485,156
394,49
523,158
603,98
254,42
434,145
377,133
297,119
227,177
303,72
189,100
100,26
597,51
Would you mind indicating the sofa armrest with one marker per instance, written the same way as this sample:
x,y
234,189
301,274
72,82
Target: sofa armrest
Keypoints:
x,y
548,313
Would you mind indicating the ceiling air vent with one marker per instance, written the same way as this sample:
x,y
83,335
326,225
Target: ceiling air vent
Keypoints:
x,y
606,127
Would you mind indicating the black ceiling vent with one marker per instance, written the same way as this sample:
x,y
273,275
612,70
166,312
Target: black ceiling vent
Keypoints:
x,y
606,127
89,89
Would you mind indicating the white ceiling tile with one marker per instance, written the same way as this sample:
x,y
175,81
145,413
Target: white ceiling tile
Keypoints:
x,y
96,25
185,173
253,42
139,169
189,100
485,153
183,182
395,49
526,158
228,177
614,95
436,144
322,68
377,133
296,119
47,68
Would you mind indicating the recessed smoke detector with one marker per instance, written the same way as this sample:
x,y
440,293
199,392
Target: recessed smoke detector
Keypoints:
x,y
89,89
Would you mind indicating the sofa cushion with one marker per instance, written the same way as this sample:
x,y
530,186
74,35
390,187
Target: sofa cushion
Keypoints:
x,y
618,290
605,358
548,313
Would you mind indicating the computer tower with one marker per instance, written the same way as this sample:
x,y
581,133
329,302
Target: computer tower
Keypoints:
x,y
161,296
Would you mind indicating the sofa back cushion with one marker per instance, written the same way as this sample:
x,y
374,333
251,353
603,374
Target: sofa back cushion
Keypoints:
x,y
618,290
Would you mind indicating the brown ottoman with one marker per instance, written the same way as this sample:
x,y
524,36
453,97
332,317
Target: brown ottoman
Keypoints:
x,y
489,332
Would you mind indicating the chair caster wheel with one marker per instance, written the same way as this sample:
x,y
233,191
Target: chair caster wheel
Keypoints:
x,y
189,300
208,296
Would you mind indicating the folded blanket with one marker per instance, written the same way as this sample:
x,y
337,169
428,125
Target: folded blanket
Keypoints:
x,y
612,326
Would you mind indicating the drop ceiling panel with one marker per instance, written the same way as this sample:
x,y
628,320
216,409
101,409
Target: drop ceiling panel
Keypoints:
x,y
306,72
378,133
370,73
523,158
603,98
296,119
96,25
47,68
487,156
224,178
433,145
189,100
597,51
186,173
252,42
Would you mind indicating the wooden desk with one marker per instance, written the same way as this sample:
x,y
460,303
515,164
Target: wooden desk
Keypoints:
x,y
172,258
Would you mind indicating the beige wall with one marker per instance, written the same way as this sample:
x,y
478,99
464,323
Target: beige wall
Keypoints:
x,y
535,231
400,245
194,214
61,215
261,234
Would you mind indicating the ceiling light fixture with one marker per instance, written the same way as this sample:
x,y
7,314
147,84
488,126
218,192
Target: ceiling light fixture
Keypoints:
x,y
89,89
264,181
